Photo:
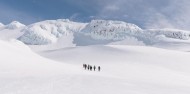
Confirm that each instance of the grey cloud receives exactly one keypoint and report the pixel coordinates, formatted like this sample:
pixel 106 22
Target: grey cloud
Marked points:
pixel 175 15
pixel 145 13
pixel 149 13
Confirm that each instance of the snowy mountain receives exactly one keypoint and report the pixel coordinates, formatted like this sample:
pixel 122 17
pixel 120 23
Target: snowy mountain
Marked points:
pixel 170 33
pixel 14 25
pixel 97 31
pixel 1 25
pixel 111 30
pixel 47 32
pixel 11 31
pixel 65 33
pixel 47 57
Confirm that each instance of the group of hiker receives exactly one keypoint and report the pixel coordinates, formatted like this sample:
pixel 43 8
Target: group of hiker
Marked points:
pixel 91 68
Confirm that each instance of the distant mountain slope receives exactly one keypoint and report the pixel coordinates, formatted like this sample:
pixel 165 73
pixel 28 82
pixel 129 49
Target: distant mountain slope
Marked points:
pixel 11 31
pixel 98 32
pixel 14 25
pixel 1 25
pixel 111 30
pixel 47 32
pixel 11 26
pixel 170 33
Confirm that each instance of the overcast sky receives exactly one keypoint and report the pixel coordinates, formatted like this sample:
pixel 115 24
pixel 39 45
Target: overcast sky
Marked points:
pixel 144 13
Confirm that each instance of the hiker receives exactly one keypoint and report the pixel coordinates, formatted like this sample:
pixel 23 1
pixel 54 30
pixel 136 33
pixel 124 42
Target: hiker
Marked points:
pixel 99 68
pixel 90 68
pixel 94 68
pixel 85 66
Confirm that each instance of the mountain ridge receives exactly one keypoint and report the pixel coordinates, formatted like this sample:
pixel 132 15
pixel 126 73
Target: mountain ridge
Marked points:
pixel 93 33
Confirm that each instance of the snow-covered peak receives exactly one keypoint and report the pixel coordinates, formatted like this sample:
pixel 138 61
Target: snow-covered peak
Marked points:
pixel 63 20
pixel 1 25
pixel 170 33
pixel 110 30
pixel 49 31
pixel 106 31
pixel 14 25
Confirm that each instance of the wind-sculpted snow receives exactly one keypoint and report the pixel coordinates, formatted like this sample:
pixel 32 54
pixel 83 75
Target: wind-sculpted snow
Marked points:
pixel 119 31
pixel 111 30
pixel 93 33
pixel 170 33
pixel 50 31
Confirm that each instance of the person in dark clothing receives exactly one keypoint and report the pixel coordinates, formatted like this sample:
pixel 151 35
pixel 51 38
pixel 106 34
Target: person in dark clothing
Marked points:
pixel 85 66
pixel 90 68
pixel 94 68
pixel 99 68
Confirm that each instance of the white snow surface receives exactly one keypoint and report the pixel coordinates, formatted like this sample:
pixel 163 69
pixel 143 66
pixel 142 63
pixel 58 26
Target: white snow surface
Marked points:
pixel 11 31
pixel 1 25
pixel 171 33
pixel 61 33
pixel 52 62
pixel 48 32
pixel 14 25
pixel 125 69
pixel 111 30
pixel 8 34
pixel 96 32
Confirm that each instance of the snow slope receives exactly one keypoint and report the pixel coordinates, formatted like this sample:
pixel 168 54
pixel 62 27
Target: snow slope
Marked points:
pixel 14 25
pixel 125 70
pixel 11 31
pixel 56 68
pixel 53 32
pixel 97 32
pixel 8 34
pixel 169 39
pixel 24 72
pixel 111 30
pixel 171 33
pixel 1 25
pixel 61 33
pixel 48 32
pixel 131 69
